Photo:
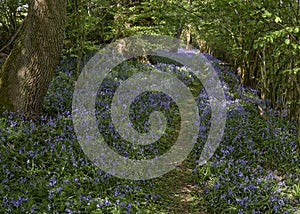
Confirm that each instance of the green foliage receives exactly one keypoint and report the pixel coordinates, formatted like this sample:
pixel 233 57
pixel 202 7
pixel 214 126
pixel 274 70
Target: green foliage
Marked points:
pixel 45 170
pixel 261 38
pixel 251 170
pixel 12 13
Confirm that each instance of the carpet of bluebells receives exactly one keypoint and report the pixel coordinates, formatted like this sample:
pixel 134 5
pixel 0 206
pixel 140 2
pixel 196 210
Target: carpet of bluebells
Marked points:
pixel 254 170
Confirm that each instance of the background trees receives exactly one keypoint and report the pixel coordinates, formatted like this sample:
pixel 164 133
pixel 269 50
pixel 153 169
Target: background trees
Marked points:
pixel 261 40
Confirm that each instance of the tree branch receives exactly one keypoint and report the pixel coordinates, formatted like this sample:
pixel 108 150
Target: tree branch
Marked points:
pixel 12 38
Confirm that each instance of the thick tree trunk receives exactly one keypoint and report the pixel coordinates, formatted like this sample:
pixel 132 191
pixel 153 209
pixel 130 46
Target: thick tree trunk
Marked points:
pixel 28 70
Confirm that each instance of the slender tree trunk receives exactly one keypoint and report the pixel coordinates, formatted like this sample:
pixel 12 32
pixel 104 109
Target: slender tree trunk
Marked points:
pixel 188 37
pixel 298 104
pixel 298 130
pixel 28 70
pixel 178 34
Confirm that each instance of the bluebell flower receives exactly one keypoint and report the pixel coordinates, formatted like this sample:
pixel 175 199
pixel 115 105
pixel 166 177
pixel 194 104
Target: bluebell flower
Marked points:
pixel 68 211
pixel 217 185
pixel 280 202
pixel 129 206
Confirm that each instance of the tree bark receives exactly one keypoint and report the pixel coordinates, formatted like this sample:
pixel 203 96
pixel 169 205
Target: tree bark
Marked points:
pixel 28 70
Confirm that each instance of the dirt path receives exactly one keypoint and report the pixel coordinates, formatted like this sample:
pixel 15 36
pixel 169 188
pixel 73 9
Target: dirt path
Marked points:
pixel 178 190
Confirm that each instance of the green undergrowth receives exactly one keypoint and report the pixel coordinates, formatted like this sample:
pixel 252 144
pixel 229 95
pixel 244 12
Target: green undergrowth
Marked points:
pixel 254 170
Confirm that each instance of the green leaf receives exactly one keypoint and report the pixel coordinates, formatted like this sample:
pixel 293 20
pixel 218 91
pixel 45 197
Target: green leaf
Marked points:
pixel 271 39
pixel 278 19
pixel 287 41
pixel 266 14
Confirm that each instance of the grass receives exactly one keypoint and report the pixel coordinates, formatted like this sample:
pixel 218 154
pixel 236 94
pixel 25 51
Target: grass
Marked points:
pixel 254 170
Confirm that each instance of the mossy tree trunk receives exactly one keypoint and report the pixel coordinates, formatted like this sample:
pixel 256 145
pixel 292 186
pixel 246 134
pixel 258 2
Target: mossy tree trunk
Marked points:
pixel 28 70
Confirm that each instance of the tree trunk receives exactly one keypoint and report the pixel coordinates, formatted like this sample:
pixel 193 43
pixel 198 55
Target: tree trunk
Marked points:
pixel 298 104
pixel 298 138
pixel 178 34
pixel 188 37
pixel 28 70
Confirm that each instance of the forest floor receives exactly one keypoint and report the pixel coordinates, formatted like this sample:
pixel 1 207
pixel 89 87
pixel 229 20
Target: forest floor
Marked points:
pixel 255 169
